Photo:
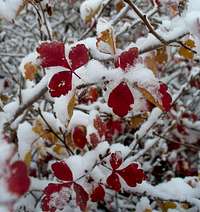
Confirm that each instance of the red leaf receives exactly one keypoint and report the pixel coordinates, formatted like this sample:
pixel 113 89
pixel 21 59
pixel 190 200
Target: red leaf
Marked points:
pixel 166 98
pixel 52 188
pixel 52 54
pixel 127 58
pixel 94 140
pixel 132 175
pixel 98 194
pixel 116 160
pixel 79 136
pixel 18 181
pixel 81 196
pixel 60 83
pixel 113 128
pixel 78 56
pixel 100 126
pixel 62 171
pixel 113 182
pixel 120 99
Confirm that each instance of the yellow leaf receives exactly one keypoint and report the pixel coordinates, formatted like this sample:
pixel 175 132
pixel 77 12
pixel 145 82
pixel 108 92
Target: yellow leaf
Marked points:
pixel 58 149
pixel 186 53
pixel 148 210
pixel 168 205
pixel 161 55
pixel 44 133
pixel 106 42
pixel 136 121
pixel 149 97
pixel 28 158
pixel 71 105
pixel 30 70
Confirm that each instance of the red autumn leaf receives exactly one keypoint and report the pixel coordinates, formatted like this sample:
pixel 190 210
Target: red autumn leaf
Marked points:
pixel 113 182
pixel 98 194
pixel 18 182
pixel 127 58
pixel 52 54
pixel 120 99
pixel 81 196
pixel 79 136
pixel 100 126
pixel 62 171
pixel 60 83
pixel 116 160
pixel 49 192
pixel 94 140
pixel 166 98
pixel 113 128
pixel 78 56
pixel 132 175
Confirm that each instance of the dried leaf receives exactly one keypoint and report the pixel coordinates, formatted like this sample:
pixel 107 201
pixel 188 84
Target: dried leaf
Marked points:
pixel 168 205
pixel 161 55
pixel 149 97
pixel 136 121
pixel 39 129
pixel 30 71
pixel 119 5
pixel 106 42
pixel 186 53
pixel 71 105
pixel 28 158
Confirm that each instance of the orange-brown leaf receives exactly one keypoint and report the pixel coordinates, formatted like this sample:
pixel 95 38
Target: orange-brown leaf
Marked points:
pixel 106 38
pixel 30 70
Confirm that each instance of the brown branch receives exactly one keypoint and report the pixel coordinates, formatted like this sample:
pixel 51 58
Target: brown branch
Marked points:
pixel 28 104
pixel 145 20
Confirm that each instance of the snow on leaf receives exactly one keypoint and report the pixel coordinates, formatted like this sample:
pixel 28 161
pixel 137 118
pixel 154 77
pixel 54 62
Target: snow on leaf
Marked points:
pixel 113 182
pixel 55 196
pixel 98 194
pixel 78 56
pixel 116 160
pixel 127 58
pixel 60 83
pixel 132 175
pixel 120 99
pixel 62 171
pixel 18 174
pixel 82 196
pixel 106 42
pixel 52 54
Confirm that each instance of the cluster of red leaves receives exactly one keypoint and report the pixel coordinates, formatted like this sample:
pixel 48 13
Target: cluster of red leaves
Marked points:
pixel 107 129
pixel 165 97
pixel 130 174
pixel 18 181
pixel 121 97
pixel 53 54
pixel 63 173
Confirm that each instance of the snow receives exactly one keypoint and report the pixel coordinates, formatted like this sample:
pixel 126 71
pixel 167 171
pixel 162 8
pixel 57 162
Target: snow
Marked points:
pixel 9 8
pixel 89 7
pixel 26 137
